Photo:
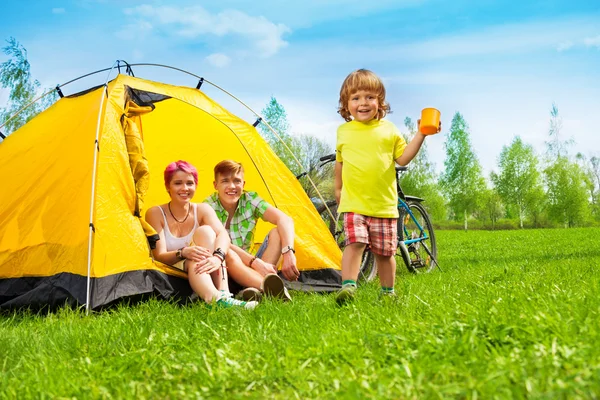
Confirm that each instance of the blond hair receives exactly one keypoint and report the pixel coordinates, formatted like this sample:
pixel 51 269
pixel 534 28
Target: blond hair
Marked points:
pixel 228 167
pixel 362 79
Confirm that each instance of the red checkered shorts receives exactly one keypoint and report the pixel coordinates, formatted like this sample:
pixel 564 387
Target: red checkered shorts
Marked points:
pixel 380 234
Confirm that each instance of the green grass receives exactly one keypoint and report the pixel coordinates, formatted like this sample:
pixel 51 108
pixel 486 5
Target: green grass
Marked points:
pixel 515 314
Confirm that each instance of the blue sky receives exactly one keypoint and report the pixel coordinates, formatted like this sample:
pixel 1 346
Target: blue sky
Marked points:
pixel 499 63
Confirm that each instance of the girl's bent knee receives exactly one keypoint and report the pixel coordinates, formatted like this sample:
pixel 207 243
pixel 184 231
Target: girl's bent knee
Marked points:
pixel 204 233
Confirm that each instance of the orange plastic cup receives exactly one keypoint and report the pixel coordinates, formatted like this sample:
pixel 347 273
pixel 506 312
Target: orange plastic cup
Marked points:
pixel 430 121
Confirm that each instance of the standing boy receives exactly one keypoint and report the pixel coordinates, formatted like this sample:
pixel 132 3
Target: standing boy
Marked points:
pixel 365 179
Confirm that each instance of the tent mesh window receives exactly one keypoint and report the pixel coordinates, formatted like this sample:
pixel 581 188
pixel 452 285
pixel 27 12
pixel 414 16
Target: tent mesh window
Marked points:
pixel 140 97
pixel 143 98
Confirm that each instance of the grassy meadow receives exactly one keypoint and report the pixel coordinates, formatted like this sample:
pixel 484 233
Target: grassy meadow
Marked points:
pixel 514 314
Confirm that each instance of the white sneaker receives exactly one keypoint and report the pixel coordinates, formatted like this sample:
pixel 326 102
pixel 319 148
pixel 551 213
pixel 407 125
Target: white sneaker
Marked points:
pixel 227 302
pixel 251 305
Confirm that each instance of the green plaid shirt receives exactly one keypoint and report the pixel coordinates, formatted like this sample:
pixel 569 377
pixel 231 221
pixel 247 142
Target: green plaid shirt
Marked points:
pixel 241 229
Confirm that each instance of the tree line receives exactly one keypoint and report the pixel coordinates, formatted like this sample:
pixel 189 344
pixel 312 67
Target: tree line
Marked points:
pixel 553 189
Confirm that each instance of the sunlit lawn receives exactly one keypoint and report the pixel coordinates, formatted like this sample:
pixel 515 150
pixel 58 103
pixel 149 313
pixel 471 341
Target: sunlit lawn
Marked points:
pixel 515 314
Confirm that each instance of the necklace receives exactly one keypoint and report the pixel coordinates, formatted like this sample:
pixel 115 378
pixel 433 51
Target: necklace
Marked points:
pixel 186 217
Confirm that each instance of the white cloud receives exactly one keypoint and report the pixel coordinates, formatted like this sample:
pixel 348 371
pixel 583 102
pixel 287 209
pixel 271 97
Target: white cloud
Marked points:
pixel 307 13
pixel 198 23
pixel 592 41
pixel 135 30
pixel 58 10
pixel 563 46
pixel 587 42
pixel 218 60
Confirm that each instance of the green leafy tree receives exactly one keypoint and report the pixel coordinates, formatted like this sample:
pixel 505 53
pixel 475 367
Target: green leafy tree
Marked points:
pixel 594 172
pixel 462 180
pixel 311 149
pixel 565 180
pixel 535 203
pixel 435 203
pixel 15 75
pixel 591 168
pixel 518 176
pixel 492 206
pixel 567 193
pixel 275 115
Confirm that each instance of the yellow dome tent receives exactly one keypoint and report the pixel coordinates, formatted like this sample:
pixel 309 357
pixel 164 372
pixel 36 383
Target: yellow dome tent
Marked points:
pixel 75 180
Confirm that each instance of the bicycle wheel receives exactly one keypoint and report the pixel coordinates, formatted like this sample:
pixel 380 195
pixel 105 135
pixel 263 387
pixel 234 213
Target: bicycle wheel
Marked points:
pixel 368 270
pixel 326 216
pixel 421 255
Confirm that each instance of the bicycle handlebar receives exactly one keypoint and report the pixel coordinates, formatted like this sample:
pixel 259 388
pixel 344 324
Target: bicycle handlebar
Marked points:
pixel 329 157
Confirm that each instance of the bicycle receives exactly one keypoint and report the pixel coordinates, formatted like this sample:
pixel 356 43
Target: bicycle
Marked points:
pixel 416 238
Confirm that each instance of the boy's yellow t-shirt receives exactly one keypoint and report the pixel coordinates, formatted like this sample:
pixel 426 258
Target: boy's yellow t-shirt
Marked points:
pixel 368 152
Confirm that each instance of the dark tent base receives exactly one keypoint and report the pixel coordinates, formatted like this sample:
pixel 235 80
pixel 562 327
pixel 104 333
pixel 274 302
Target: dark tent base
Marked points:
pixel 321 280
pixel 50 293
pixel 53 292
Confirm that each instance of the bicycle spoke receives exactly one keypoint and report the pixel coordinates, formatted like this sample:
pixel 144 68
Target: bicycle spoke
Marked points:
pixel 432 256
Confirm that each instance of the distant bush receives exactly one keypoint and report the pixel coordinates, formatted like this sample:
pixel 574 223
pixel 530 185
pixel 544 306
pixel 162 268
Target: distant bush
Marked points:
pixel 504 224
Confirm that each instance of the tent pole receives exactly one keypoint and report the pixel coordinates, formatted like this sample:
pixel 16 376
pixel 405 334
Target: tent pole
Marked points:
pixel 92 229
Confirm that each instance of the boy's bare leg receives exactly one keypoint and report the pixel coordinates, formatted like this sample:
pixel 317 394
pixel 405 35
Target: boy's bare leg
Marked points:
pixel 272 253
pixel 386 266
pixel 351 261
pixel 245 276
pixel 350 268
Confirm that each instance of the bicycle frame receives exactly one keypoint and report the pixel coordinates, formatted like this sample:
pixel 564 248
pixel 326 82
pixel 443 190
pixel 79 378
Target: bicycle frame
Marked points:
pixel 422 234
pixel 403 206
